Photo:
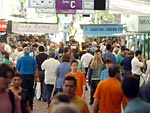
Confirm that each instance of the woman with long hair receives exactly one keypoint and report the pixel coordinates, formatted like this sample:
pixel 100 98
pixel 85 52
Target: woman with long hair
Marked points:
pixel 97 65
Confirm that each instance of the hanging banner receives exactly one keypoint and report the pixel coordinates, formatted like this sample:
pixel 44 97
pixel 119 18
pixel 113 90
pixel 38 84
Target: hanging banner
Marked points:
pixel 3 26
pixel 34 28
pixel 68 6
pixel 101 29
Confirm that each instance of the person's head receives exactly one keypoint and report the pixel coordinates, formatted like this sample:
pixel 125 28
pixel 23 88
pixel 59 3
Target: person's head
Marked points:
pixel 123 50
pixel 114 71
pixel 65 108
pixel 94 43
pixel 5 54
pixel 76 55
pixel 41 48
pixel 24 45
pixel 108 47
pixel 126 51
pixel 107 63
pixel 74 65
pixel 98 56
pixel 26 50
pixel 61 98
pixel 130 87
pixel 6 74
pixel 104 41
pixel 130 54
pixel 116 50
pixel 69 86
pixel 67 50
pixel 16 80
pixel 51 54
pixel 66 58
pixel 138 54
pixel 35 46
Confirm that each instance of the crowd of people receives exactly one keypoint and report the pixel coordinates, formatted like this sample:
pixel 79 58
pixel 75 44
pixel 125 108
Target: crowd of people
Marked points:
pixel 65 72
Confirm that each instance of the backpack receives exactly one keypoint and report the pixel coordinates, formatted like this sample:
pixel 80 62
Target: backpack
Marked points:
pixel 12 100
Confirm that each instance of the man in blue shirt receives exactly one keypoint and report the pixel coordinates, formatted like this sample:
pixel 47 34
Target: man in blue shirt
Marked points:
pixel 28 68
pixel 109 54
pixel 130 86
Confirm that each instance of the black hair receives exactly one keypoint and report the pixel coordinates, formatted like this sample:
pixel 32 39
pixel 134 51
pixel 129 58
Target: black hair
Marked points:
pixel 62 97
pixel 76 55
pixel 73 61
pixel 130 87
pixel 71 78
pixel 138 52
pixel 4 68
pixel 123 48
pixel 113 70
pixel 41 48
pixel 24 45
pixel 107 60
pixel 108 46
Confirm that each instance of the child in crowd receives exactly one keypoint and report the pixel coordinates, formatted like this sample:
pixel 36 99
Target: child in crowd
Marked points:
pixel 81 81
pixel 104 74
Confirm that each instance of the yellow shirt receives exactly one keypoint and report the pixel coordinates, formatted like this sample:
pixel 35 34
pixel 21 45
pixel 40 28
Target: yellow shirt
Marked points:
pixel 77 101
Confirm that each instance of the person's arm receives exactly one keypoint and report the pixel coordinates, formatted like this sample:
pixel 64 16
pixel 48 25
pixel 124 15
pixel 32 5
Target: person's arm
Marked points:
pixel 36 75
pixel 83 90
pixel 28 107
pixel 95 105
pixel 124 102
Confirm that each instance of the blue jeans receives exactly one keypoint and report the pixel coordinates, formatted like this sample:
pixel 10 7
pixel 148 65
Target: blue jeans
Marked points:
pixel 126 73
pixel 49 89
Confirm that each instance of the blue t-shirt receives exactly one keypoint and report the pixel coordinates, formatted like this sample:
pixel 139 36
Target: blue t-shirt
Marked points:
pixel 26 65
pixel 104 75
pixel 61 72
pixel 109 55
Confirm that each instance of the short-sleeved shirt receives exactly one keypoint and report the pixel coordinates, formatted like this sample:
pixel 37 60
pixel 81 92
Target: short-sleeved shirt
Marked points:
pixel 61 72
pixel 126 63
pixel 26 65
pixel 77 101
pixel 110 94
pixel 119 58
pixel 109 55
pixel 80 82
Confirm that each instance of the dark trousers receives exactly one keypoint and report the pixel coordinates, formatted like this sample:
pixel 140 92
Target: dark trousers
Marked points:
pixel 43 92
pixel 49 89
pixel 93 87
pixel 27 83
pixel 137 77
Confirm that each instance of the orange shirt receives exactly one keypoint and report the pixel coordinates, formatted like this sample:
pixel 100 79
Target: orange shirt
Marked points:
pixel 110 95
pixel 80 81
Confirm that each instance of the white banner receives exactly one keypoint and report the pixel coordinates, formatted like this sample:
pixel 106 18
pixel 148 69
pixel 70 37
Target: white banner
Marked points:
pixel 42 3
pixel 34 28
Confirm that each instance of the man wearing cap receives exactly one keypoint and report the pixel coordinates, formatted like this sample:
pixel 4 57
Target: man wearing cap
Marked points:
pixel 50 66
pixel 28 69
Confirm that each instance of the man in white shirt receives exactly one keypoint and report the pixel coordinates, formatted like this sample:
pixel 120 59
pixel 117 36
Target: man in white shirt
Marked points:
pixel 50 66
pixel 86 59
pixel 137 65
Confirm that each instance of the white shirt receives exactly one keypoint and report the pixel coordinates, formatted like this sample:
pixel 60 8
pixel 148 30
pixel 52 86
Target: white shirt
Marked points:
pixel 86 59
pixel 50 66
pixel 136 66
